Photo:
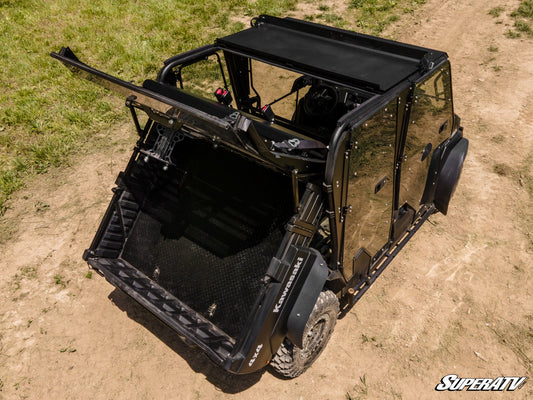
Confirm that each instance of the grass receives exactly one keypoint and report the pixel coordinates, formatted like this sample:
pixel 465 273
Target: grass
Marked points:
pixel 525 175
pixel 372 339
pixel 41 206
pixel 361 390
pixel 523 26
pixel 47 115
pixel 366 16
pixel 496 11
pixel 67 350
pixel 59 280
pixel 373 16
pixel 518 338
pixel 24 273
pixel 522 174
pixel 332 19
pixel 513 34
pixel 525 10
pixel 502 169
pixel 23 380
pixel 523 17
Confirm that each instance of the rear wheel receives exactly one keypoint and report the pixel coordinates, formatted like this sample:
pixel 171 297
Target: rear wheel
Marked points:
pixel 291 361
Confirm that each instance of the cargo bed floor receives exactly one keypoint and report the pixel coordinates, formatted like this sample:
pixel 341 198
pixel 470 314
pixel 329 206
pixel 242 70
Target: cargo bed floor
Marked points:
pixel 222 289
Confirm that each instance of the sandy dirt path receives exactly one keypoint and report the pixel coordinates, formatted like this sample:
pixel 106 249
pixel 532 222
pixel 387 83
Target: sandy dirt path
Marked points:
pixel 457 300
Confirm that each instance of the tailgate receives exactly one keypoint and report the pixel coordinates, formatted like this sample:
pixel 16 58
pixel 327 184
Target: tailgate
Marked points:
pixel 185 321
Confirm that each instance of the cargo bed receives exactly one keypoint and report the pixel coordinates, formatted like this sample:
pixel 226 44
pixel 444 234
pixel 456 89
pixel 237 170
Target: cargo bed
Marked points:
pixel 200 234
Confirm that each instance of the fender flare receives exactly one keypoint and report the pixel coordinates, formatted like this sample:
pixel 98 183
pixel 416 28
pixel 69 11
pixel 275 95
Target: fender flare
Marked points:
pixel 449 175
pixel 303 306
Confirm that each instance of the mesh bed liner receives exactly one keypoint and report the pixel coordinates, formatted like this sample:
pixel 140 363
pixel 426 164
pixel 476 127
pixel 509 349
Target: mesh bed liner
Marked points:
pixel 206 236
pixel 222 289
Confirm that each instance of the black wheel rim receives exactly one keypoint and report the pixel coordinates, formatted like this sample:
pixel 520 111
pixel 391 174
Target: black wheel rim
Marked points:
pixel 314 337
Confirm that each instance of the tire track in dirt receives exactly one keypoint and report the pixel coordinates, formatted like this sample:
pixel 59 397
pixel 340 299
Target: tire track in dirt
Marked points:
pixel 484 244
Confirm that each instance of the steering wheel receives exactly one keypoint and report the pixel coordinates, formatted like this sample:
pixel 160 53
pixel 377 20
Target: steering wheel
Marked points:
pixel 320 100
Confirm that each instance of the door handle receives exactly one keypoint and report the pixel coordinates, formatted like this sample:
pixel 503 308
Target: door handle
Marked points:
pixel 426 151
pixel 380 185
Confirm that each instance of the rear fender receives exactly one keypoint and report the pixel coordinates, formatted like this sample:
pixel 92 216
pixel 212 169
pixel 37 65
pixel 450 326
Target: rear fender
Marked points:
pixel 444 171
pixel 305 302
pixel 296 281
pixel 449 175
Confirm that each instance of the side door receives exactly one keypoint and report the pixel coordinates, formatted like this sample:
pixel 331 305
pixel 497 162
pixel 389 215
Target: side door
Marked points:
pixel 430 124
pixel 370 191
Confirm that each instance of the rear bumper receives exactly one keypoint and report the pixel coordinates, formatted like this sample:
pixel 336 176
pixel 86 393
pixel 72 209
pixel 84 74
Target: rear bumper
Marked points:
pixel 190 325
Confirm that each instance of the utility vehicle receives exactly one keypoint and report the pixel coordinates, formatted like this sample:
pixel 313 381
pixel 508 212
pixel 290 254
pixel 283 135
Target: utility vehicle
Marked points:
pixel 278 172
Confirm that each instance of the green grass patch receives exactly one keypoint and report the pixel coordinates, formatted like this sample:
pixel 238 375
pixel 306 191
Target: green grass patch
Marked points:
pixel 523 26
pixel 24 273
pixel 525 176
pixel 47 114
pixel 373 16
pixel 523 17
pixel 331 19
pixel 60 280
pixel 502 169
pixel 513 34
pixel 525 10
pixel 496 11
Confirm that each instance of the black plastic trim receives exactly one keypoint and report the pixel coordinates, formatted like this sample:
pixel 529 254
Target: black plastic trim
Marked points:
pixel 303 306
pixel 449 175
pixel 185 321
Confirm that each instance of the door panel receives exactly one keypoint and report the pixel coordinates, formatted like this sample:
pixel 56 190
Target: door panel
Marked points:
pixel 430 124
pixel 370 187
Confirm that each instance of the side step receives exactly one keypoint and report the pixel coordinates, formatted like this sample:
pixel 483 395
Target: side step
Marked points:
pixel 193 327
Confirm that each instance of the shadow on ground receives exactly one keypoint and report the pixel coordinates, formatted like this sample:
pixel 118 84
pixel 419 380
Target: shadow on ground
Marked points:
pixel 197 360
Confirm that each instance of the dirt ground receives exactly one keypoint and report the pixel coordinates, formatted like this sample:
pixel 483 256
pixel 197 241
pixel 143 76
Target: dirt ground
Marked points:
pixel 456 301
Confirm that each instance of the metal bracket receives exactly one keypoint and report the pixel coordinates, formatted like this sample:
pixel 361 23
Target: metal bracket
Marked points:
pixel 295 190
pixel 344 210
pixel 164 145
pixel 167 119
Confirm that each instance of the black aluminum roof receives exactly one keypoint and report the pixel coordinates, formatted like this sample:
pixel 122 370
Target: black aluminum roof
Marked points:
pixel 355 59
